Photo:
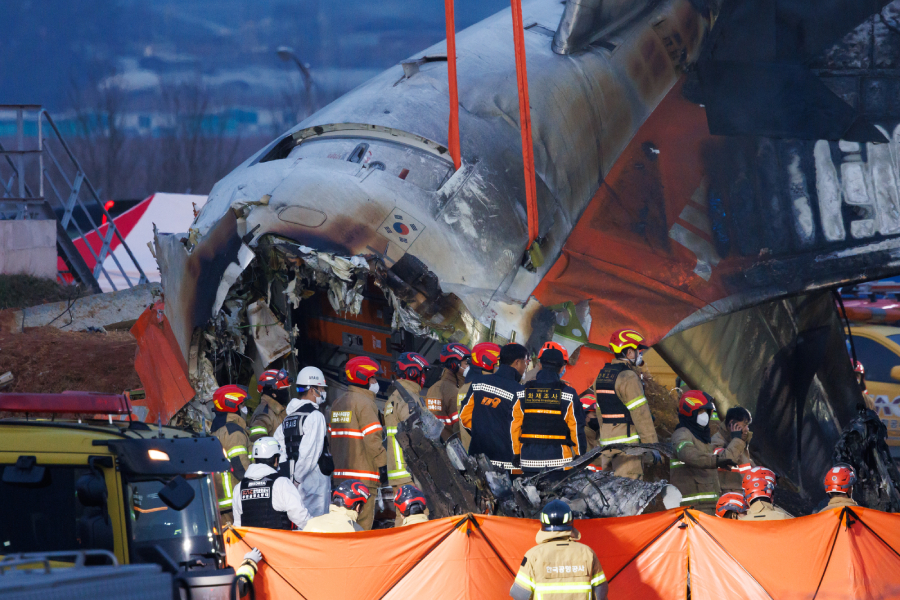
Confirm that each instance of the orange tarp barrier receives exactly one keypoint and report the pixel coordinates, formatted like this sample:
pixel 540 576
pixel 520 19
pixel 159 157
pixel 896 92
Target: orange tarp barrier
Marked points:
pixel 836 554
pixel 160 366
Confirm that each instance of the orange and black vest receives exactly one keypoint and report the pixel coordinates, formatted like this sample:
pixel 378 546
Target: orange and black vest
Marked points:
pixel 612 409
pixel 544 415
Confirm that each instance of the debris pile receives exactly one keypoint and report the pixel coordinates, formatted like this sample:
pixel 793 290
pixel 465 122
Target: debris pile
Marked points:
pixel 455 483
pixel 863 446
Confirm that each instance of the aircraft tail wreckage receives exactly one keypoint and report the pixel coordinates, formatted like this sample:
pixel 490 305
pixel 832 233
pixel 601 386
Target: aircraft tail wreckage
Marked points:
pixel 663 200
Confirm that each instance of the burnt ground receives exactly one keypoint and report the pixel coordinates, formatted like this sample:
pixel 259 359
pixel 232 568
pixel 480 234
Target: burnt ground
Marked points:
pixel 50 360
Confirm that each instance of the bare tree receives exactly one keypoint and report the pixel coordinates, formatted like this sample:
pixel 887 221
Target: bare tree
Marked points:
pixel 198 150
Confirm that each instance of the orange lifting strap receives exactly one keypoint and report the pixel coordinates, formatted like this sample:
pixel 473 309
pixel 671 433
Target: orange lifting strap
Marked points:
pixel 525 121
pixel 453 133
pixel 524 108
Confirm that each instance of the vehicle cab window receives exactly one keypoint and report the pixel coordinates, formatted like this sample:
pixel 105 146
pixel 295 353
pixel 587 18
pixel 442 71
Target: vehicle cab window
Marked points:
pixel 877 359
pixel 48 516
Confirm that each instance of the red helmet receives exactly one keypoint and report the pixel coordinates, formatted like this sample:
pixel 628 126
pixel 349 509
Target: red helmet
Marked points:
pixel 731 501
pixel 350 493
pixel 840 478
pixel 623 339
pixel 858 368
pixel 588 400
pixel 758 482
pixel 454 351
pixel 486 355
pixel 408 496
pixel 411 365
pixel 694 401
pixel 273 379
pixel 229 398
pixel 555 346
pixel 360 369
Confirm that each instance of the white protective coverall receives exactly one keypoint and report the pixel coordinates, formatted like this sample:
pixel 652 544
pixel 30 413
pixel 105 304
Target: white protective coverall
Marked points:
pixel 315 488
pixel 285 497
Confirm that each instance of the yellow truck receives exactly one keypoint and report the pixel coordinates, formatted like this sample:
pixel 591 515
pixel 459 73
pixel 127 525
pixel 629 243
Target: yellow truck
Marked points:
pixel 92 483
pixel 878 349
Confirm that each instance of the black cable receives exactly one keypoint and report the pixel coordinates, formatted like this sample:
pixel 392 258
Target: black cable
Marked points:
pixel 840 301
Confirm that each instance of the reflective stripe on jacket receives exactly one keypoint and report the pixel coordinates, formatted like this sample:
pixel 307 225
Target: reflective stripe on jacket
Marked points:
pixel 230 430
pixel 694 470
pixel 560 568
pixel 396 410
pixel 356 436
pixel 441 401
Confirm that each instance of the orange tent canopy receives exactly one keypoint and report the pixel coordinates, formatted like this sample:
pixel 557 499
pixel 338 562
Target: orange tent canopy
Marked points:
pixel 837 554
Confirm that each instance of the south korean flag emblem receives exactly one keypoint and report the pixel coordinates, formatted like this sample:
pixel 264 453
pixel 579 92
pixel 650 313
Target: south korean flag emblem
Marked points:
pixel 400 228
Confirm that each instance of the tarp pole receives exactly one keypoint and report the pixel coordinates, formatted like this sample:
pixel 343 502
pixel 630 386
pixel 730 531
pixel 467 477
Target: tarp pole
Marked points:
pixel 453 130
pixel 525 121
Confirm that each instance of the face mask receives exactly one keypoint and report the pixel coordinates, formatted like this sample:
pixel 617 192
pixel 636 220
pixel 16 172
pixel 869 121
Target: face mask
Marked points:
pixel 703 419
pixel 639 361
pixel 465 371
pixel 321 398
pixel 373 386
pixel 243 410
pixel 563 372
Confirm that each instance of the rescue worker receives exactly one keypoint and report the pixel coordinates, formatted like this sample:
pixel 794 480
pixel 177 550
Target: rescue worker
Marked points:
pixel 487 411
pixel 860 371
pixel 304 444
pixel 485 357
pixel 356 434
pixel 274 387
pixel 759 489
pixel 693 471
pixel 731 479
pixel 230 429
pixel 544 426
pixel 588 400
pixel 731 505
pixel 624 414
pixel 263 498
pixel 559 567
pixel 410 369
pixel 441 397
pixel 409 501
pixel 839 481
pixel 347 500
pixel 247 571
pixel 532 373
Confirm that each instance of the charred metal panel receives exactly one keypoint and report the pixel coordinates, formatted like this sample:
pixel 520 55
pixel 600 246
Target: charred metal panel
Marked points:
pixel 786 361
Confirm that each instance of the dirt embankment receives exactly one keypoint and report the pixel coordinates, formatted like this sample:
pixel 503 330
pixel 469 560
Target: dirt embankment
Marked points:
pixel 49 360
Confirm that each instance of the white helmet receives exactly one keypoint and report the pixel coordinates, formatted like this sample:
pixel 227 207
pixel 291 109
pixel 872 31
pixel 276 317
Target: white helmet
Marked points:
pixel 311 376
pixel 265 448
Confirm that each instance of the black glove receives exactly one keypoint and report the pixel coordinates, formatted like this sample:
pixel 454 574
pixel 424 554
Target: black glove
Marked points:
pixel 517 461
pixel 382 472
pixel 725 463
pixel 736 435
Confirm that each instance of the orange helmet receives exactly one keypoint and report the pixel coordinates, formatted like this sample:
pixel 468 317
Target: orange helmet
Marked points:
pixel 731 501
pixel 694 401
pixel 360 369
pixel 624 339
pixel 555 346
pixel 840 478
pixel 486 355
pixel 758 482
pixel 229 398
